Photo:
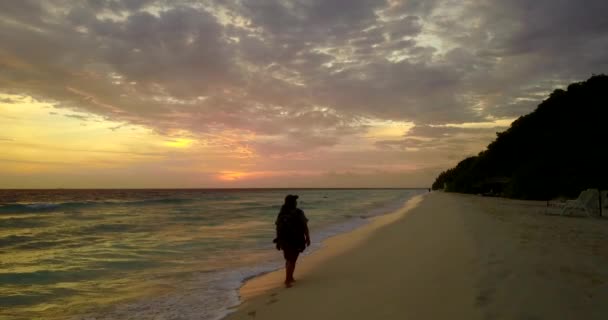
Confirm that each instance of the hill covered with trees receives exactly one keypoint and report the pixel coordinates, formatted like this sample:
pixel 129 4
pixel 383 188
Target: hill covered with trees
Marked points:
pixel 557 150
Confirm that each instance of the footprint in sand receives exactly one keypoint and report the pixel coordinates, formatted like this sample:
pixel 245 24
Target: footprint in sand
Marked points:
pixel 482 300
pixel 484 297
pixel 495 261
pixel 271 301
pixel 252 314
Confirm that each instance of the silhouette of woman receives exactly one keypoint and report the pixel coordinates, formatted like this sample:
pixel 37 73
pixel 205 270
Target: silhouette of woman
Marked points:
pixel 292 235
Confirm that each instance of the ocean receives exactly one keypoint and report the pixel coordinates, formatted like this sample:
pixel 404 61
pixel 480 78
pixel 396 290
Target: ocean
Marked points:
pixel 155 254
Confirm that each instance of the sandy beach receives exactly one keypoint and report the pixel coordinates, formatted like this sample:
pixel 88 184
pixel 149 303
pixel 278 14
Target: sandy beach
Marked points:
pixel 447 256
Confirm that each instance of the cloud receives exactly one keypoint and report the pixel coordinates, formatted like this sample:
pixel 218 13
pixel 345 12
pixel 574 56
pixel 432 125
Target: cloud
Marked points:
pixel 301 75
pixel 442 144
pixel 8 100
pixel 78 117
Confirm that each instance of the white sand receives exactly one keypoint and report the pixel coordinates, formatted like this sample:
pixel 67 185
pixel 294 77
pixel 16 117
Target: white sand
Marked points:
pixel 451 257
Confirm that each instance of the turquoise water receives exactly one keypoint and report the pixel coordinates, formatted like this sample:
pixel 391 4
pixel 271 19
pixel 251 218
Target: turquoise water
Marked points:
pixel 166 254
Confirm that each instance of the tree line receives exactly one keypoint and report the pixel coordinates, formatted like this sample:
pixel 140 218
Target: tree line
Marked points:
pixel 557 150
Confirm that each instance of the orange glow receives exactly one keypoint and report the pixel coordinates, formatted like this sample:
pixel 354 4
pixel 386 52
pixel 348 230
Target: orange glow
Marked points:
pixel 180 143
pixel 232 175
pixel 241 175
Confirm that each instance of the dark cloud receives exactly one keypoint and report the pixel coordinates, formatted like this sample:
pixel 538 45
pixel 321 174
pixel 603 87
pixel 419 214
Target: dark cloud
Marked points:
pixel 442 144
pixel 426 131
pixel 8 100
pixel 516 45
pixel 78 117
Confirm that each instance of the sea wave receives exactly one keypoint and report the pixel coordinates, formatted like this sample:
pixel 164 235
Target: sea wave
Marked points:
pixel 147 248
pixel 60 206
pixel 214 295
pixel 209 296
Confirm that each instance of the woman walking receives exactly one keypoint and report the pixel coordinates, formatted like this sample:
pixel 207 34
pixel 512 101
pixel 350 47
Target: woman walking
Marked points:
pixel 292 235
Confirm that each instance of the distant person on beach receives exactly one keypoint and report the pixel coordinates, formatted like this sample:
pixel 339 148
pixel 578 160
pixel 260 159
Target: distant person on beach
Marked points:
pixel 292 235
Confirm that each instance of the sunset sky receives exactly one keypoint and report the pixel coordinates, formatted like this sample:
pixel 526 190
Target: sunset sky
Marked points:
pixel 275 93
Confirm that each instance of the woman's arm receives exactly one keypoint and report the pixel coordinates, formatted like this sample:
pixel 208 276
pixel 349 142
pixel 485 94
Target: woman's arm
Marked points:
pixel 306 235
pixel 305 223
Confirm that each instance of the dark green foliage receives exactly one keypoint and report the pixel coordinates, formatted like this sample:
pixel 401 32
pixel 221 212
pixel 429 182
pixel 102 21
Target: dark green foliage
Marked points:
pixel 559 149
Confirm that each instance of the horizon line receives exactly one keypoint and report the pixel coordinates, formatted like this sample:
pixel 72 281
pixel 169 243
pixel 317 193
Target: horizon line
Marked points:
pixel 223 188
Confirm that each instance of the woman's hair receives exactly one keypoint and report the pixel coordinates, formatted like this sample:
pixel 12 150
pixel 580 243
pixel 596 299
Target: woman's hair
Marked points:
pixel 290 203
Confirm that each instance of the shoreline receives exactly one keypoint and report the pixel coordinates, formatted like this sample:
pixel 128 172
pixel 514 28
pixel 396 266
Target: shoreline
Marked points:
pixel 451 256
pixel 190 299
pixel 248 287
pixel 271 281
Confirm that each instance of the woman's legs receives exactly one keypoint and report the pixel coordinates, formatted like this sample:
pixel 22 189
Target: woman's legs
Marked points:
pixel 290 267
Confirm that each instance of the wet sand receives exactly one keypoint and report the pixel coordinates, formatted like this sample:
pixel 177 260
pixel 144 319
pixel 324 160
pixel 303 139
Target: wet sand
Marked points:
pixel 450 256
